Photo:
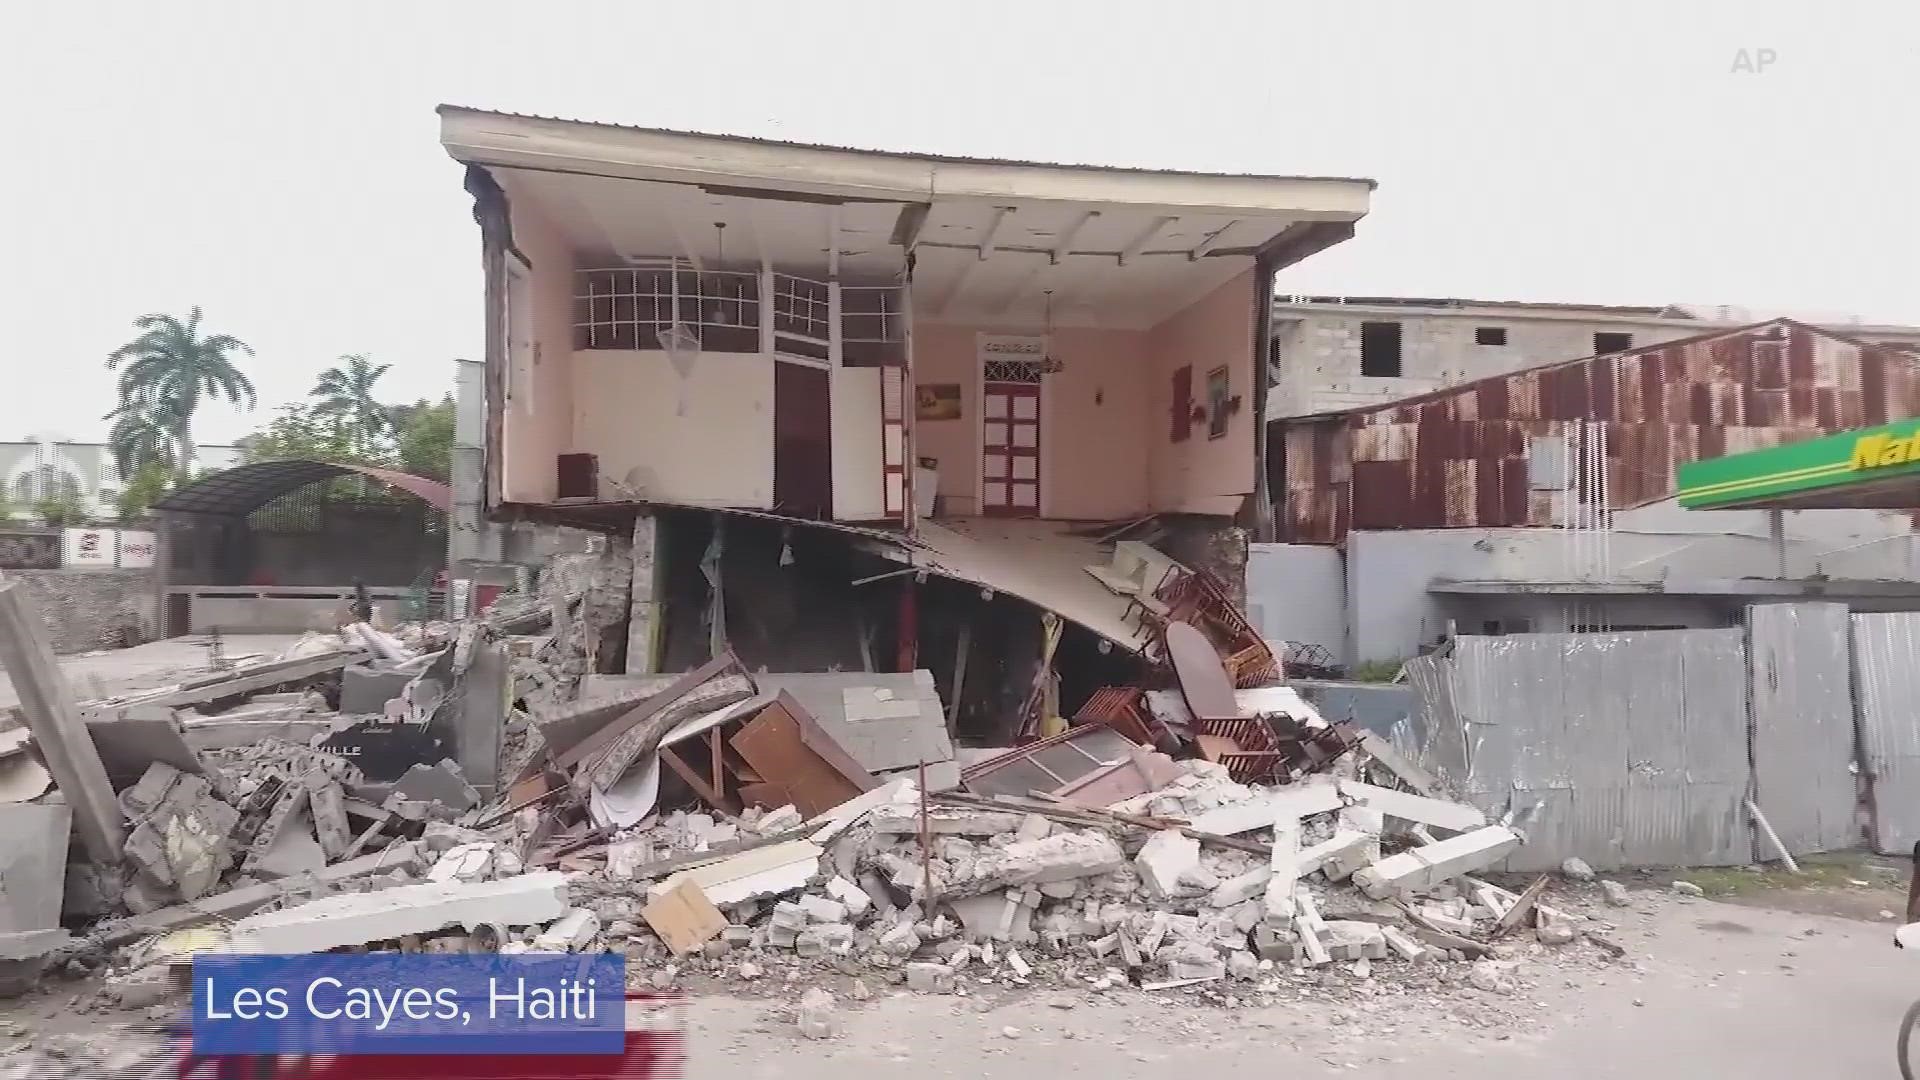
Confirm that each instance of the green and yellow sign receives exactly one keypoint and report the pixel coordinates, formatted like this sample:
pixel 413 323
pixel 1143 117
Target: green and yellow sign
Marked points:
pixel 1833 462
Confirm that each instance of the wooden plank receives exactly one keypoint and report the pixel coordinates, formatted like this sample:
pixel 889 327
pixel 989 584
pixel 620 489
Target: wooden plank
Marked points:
pixel 683 917
pixel 693 778
pixel 607 735
pixel 1521 908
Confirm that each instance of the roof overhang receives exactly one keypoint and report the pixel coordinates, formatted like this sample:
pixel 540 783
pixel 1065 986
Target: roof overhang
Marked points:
pixel 1874 468
pixel 1114 246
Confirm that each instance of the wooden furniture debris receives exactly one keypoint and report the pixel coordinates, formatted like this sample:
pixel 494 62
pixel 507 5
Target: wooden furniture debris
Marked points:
pixel 794 761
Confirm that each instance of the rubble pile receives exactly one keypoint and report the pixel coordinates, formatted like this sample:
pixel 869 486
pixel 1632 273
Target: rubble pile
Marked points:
pixel 477 787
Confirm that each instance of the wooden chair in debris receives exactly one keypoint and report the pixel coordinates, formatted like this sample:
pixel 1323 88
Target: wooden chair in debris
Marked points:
pixel 1200 599
pixel 1124 709
pixel 1255 749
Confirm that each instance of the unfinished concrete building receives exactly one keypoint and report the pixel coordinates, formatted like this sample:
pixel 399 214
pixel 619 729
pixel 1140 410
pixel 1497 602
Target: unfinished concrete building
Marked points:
pixel 1348 352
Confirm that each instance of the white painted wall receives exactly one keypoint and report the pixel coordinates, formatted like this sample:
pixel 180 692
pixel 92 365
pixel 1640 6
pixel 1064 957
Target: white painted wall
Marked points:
pixel 858 471
pixel 719 453
pixel 1297 592
pixel 1392 614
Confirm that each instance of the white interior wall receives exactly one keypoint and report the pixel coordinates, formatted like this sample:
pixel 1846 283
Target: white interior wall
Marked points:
pixel 719 453
pixel 857 463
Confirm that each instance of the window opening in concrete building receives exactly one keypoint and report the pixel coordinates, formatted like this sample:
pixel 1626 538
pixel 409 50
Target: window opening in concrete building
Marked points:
pixel 1611 341
pixel 1489 335
pixel 1380 350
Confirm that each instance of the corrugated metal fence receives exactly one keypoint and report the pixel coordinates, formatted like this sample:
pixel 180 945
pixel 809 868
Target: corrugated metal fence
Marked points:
pixel 1642 748
pixel 1624 749
pixel 1886 663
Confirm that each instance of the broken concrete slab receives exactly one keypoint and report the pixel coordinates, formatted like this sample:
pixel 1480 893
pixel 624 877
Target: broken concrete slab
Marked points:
pixel 750 875
pixel 358 918
pixel 65 744
pixel 1313 795
pixel 405 856
pixel 1283 870
pixel 1452 816
pixel 18 945
pixel 33 863
pixel 138 737
pixel 943 821
pixel 327 802
pixel 851 896
pixel 1164 858
pixel 295 850
pixel 1238 890
pixel 1339 855
pixel 572 932
pixel 366 689
pixel 1035 862
pixel 441 783
pixel 1419 869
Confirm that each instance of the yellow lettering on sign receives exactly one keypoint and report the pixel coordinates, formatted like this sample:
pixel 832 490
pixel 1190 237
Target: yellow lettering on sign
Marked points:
pixel 1866 451
pixel 1881 451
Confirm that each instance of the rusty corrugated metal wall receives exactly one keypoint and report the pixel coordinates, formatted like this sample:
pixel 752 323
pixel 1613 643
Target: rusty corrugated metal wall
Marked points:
pixel 1459 457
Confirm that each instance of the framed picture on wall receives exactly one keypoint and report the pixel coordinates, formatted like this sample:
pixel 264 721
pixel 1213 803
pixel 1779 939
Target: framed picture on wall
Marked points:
pixel 1219 403
pixel 937 401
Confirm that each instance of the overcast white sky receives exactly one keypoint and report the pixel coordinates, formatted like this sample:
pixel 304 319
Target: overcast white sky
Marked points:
pixel 278 165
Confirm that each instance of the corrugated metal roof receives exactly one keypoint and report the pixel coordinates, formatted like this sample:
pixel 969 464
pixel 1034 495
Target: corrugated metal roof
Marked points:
pixel 445 109
pixel 1624 422
pixel 246 488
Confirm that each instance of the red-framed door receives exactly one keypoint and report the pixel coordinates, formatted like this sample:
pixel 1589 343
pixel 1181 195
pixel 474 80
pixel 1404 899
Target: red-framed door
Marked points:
pixel 1010 449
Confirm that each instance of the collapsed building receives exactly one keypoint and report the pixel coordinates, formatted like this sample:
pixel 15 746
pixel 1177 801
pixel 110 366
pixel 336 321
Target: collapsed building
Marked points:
pixel 961 689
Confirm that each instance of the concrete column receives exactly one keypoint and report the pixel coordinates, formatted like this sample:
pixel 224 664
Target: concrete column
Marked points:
pixel 645 619
pixel 56 725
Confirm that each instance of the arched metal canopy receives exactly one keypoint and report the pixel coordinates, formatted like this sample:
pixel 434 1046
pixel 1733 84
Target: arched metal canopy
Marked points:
pixel 245 488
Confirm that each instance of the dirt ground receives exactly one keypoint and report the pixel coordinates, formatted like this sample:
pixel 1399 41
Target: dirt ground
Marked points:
pixel 1764 980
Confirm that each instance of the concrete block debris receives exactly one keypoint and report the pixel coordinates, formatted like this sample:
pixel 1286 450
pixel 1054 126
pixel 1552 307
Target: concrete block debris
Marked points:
pixel 558 808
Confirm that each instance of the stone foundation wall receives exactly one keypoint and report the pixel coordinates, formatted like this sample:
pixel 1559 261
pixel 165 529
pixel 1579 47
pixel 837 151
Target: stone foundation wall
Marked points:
pixel 93 609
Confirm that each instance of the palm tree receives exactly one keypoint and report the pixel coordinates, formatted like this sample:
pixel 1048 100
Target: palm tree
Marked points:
pixel 142 436
pixel 170 366
pixel 345 394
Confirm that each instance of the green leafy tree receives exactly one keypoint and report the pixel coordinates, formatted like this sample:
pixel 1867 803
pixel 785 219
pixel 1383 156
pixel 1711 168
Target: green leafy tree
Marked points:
pixel 60 510
pixel 344 395
pixel 144 488
pixel 170 367
pixel 424 438
pixel 297 432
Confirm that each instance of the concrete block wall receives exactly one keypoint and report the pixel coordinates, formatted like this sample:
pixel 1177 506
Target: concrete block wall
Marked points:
pixel 88 609
pixel 1320 354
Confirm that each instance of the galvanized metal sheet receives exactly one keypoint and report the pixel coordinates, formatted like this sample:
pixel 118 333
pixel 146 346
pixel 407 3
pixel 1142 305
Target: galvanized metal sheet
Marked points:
pixel 1886 666
pixel 1803 729
pixel 1623 749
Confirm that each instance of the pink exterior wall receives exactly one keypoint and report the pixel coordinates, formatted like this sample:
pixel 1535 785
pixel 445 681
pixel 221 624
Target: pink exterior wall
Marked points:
pixel 1202 475
pixel 536 431
pixel 1093 458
